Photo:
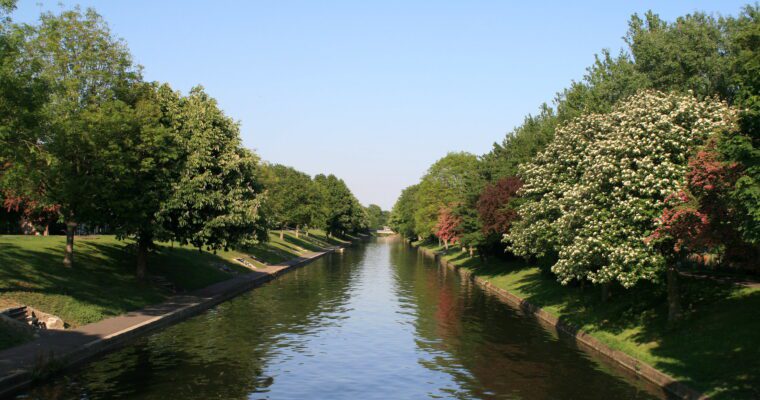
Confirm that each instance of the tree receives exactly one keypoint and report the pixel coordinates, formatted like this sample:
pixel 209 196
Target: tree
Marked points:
pixel 376 217
pixel 448 228
pixel 701 217
pixel 496 209
pixel 402 215
pixel 519 146
pixel 446 182
pixel 594 193
pixel 216 201
pixel 290 198
pixel 339 212
pixel 82 67
pixel 140 160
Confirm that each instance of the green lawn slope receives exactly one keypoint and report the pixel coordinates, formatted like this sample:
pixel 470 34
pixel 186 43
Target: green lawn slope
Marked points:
pixel 102 284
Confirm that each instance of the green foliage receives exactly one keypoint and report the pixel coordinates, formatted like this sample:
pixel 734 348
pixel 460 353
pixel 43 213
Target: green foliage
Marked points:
pixel 376 217
pixel 216 202
pixel 291 197
pixel 401 219
pixel 609 80
pixel 83 69
pixel 447 182
pixel 520 145
pixel 686 55
pixel 339 212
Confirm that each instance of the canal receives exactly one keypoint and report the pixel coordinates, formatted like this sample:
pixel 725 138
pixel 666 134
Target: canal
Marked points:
pixel 380 321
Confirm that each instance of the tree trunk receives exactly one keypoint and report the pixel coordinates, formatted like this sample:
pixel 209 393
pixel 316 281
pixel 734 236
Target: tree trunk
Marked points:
pixel 446 243
pixel 439 242
pixel 46 232
pixel 605 292
pixel 282 233
pixel 68 258
pixel 674 300
pixel 298 228
pixel 142 257
pixel 472 250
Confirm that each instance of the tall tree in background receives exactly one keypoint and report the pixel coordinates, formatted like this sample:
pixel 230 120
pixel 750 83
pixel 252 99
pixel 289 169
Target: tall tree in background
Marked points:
pixel 376 217
pixel 446 182
pixel 401 218
pixel 519 146
pixel 290 197
pixel 339 212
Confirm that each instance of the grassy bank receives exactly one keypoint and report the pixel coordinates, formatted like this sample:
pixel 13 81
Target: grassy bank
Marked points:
pixel 102 283
pixel 715 349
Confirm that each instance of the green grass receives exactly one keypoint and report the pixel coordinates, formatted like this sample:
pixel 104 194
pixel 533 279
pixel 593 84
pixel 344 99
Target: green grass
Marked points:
pixel 277 250
pixel 102 283
pixel 716 349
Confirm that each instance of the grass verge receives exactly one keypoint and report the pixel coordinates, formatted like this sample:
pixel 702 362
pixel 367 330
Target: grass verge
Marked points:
pixel 102 283
pixel 715 349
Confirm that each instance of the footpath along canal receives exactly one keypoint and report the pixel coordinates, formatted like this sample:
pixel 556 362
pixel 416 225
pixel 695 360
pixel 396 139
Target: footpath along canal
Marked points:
pixel 380 320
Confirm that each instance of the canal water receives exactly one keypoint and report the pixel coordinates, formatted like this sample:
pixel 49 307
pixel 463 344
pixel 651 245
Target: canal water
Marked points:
pixel 380 321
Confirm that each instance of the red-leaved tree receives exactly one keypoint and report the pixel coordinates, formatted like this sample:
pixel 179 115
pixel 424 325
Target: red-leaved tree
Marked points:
pixel 494 210
pixel 700 217
pixel 32 211
pixel 449 226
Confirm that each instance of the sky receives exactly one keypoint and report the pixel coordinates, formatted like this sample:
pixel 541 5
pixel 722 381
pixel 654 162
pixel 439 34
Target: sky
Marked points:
pixel 371 91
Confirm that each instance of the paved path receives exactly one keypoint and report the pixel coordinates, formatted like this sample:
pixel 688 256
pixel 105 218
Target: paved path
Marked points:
pixel 65 348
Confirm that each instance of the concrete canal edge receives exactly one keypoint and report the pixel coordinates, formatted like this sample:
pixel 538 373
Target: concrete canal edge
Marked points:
pixel 669 385
pixel 57 351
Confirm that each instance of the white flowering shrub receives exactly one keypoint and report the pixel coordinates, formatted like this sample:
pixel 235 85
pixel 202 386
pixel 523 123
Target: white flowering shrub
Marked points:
pixel 593 195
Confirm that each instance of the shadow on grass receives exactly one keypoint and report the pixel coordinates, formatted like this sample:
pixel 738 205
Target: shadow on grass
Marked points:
pixel 102 283
pixel 302 243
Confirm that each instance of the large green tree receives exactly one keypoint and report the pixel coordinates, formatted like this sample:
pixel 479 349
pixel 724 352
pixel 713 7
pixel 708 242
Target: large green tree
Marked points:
pixel 290 198
pixel 376 217
pixel 83 68
pixel 139 166
pixel 216 200
pixel 339 212
pixel 402 215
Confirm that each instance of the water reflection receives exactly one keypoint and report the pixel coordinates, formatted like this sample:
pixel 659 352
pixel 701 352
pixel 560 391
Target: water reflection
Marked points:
pixel 378 321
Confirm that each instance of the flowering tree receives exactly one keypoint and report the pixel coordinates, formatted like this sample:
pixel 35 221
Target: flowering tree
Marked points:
pixel 593 195
pixel 448 227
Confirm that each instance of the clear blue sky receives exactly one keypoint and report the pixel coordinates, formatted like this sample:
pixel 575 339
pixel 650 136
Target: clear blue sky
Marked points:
pixel 372 91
